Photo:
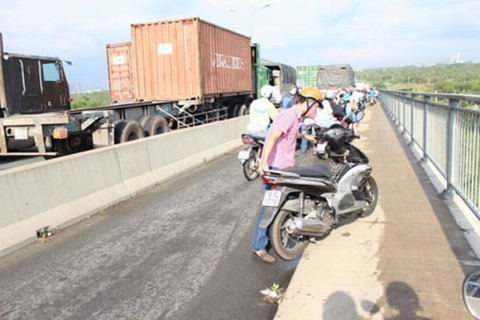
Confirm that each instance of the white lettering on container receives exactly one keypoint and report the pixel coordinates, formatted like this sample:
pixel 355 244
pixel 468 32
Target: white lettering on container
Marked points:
pixel 220 60
pixel 116 60
pixel 164 48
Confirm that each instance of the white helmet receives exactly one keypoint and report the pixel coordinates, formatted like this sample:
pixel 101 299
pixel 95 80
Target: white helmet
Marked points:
pixel 266 91
pixel 330 94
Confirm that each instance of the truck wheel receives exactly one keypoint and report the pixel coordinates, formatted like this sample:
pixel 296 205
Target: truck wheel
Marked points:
pixel 156 125
pixel 128 130
pixel 73 143
pixel 142 122
pixel 242 110
pixel 231 111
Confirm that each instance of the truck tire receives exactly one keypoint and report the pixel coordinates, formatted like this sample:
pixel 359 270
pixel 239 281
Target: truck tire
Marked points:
pixel 154 125
pixel 142 122
pixel 242 110
pixel 128 130
pixel 232 109
pixel 73 143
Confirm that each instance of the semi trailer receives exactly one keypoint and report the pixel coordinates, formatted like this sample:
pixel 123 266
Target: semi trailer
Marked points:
pixel 172 74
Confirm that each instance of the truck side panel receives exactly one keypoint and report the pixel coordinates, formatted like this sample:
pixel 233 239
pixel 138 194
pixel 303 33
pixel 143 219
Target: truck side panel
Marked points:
pixel 225 60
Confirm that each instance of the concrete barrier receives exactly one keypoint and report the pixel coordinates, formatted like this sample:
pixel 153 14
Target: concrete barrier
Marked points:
pixel 60 192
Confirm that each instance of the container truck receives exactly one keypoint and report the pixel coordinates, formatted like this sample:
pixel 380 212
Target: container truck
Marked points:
pixel 172 74
pixel 156 65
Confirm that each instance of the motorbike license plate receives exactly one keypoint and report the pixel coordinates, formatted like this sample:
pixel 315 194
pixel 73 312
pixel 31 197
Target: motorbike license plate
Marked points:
pixel 321 147
pixel 271 198
pixel 243 155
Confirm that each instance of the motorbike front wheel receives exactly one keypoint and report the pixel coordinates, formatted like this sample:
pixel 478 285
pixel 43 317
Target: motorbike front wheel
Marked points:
pixel 250 166
pixel 322 156
pixel 287 246
pixel 370 191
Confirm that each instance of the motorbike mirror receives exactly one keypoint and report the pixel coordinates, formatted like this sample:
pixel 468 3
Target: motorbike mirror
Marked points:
pixel 471 293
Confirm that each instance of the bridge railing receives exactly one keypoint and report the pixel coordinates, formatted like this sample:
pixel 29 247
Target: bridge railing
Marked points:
pixel 446 128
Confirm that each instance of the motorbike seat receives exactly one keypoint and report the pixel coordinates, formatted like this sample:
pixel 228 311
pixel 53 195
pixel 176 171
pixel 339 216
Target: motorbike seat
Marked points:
pixel 255 138
pixel 318 171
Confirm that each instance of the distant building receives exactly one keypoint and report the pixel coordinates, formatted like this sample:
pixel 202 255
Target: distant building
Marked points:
pixel 455 58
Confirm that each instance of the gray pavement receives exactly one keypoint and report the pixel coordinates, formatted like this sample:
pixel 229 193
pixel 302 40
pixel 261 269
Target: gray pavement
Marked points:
pixel 406 261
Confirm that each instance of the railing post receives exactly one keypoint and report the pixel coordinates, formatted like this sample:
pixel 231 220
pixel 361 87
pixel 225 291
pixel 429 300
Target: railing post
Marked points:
pixel 404 116
pixel 412 119
pixel 393 108
pixel 426 101
pixel 453 105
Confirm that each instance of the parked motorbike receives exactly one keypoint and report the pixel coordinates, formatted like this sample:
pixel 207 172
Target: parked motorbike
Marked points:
pixel 249 156
pixel 372 100
pixel 352 118
pixel 333 134
pixel 305 202
pixel 471 293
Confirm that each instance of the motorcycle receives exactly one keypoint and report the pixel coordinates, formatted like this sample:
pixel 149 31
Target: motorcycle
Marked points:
pixel 372 100
pixel 305 202
pixel 249 156
pixel 323 135
pixel 471 293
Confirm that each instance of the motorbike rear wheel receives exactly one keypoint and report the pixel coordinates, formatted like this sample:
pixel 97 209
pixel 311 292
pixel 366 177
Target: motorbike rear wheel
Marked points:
pixel 287 246
pixel 250 166
pixel 371 196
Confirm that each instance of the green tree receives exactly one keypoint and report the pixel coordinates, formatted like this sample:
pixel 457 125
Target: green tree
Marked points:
pixel 454 78
pixel 90 100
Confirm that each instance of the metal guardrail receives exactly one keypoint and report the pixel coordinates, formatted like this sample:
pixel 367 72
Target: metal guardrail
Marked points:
pixel 446 127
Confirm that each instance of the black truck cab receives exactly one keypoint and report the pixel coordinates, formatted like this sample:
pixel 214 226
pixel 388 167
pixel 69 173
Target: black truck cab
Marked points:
pixel 32 84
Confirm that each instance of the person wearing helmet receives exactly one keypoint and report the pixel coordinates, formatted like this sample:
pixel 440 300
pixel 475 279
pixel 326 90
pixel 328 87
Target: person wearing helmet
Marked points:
pixel 292 93
pixel 279 152
pixel 261 113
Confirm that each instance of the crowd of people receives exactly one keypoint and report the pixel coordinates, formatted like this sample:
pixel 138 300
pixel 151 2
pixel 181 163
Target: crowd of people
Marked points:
pixel 302 109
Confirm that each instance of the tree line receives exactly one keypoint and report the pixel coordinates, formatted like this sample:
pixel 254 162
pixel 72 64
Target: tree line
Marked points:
pixel 460 78
pixel 88 100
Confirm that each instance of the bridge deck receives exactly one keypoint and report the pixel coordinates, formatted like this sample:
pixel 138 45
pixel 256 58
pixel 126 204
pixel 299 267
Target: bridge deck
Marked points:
pixel 406 261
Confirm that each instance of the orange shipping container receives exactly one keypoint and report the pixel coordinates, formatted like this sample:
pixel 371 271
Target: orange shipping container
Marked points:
pixel 120 72
pixel 189 59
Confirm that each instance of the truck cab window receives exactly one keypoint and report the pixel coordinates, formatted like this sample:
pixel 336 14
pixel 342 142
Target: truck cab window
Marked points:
pixel 51 71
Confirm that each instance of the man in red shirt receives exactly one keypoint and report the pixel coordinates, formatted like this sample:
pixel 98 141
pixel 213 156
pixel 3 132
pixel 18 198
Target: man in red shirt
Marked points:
pixel 279 151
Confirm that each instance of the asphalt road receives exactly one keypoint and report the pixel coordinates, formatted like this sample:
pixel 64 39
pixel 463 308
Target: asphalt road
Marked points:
pixel 181 250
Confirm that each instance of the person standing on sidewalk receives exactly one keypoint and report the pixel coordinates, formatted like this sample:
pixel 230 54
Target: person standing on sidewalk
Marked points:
pixel 279 152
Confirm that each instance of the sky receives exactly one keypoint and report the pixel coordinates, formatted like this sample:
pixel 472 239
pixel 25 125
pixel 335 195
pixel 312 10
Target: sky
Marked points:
pixel 365 34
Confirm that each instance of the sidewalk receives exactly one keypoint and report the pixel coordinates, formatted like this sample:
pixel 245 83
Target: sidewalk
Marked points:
pixel 406 261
